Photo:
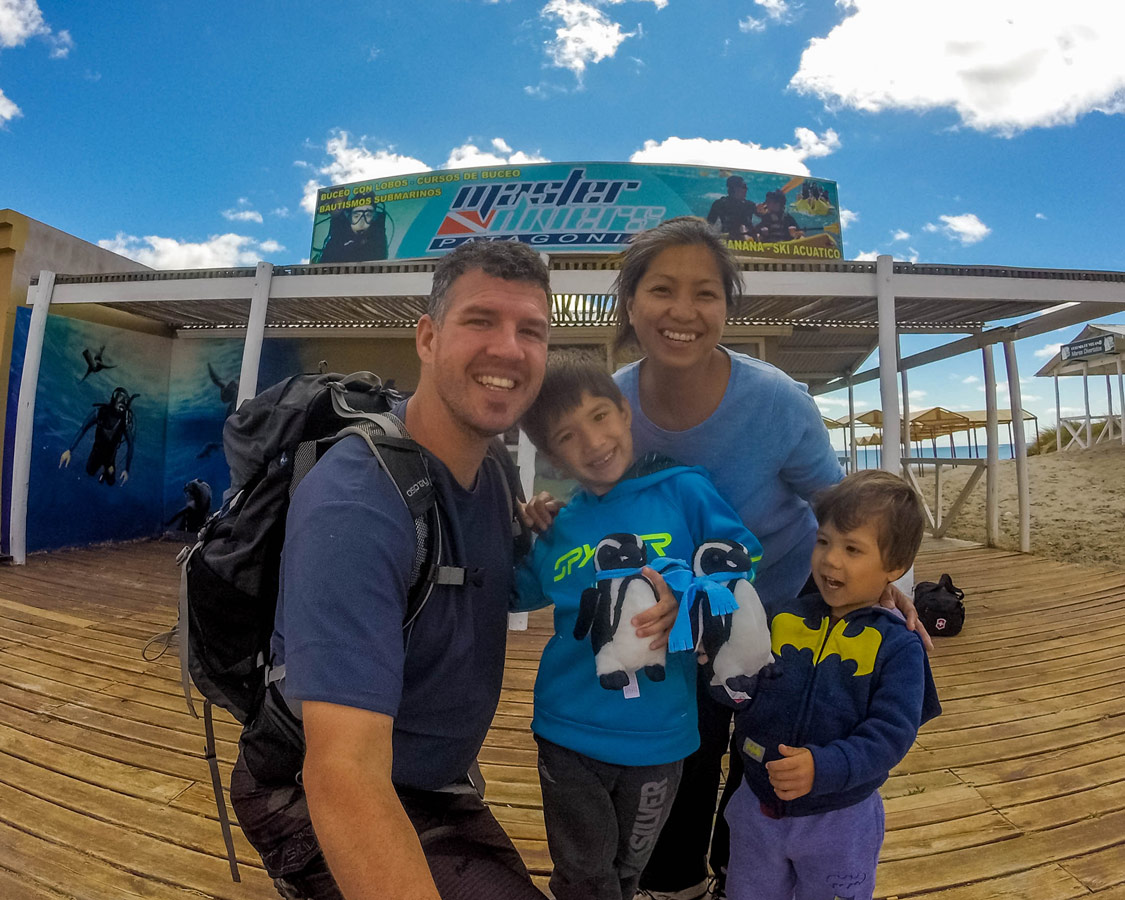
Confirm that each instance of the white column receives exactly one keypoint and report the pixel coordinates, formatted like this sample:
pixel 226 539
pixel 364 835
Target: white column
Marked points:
pixel 525 462
pixel 1019 449
pixel 992 450
pixel 907 449
pixel 25 417
pixel 1086 396
pixel 888 362
pixel 1058 416
pixel 255 331
pixel 853 452
pixel 1109 407
pixel 1121 397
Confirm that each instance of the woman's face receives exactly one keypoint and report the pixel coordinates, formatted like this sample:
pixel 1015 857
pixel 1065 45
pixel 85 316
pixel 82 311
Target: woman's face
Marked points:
pixel 679 307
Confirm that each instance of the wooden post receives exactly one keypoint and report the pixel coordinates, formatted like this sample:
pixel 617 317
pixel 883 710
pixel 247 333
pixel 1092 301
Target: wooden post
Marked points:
pixel 1019 449
pixel 853 454
pixel 255 333
pixel 1058 416
pixel 992 449
pixel 888 362
pixel 25 417
pixel 1086 396
pixel 1121 397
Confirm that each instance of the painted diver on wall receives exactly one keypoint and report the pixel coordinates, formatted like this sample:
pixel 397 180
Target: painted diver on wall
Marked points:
pixel 228 390
pixel 197 506
pixel 94 362
pixel 113 424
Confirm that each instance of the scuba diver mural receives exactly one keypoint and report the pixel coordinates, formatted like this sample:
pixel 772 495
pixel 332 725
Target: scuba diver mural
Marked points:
pixel 113 425
pixel 228 390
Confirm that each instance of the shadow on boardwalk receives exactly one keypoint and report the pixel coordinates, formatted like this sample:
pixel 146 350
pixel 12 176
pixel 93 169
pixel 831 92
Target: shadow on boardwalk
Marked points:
pixel 1018 790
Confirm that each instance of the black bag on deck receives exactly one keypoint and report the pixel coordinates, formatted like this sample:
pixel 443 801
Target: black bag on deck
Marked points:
pixel 939 606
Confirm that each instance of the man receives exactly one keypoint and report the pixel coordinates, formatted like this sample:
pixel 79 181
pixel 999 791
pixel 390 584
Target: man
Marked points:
pixel 393 719
pixel 734 213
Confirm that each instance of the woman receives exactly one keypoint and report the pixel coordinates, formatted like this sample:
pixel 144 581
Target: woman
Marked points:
pixel 762 438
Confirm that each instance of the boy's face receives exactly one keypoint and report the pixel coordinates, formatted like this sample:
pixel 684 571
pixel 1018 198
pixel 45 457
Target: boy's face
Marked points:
pixel 848 567
pixel 592 443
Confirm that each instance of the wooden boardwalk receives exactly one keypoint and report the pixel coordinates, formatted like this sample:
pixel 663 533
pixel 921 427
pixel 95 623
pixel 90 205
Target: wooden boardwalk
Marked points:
pixel 1017 791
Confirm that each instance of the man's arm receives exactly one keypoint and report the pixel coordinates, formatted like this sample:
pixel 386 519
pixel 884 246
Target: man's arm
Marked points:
pixel 367 838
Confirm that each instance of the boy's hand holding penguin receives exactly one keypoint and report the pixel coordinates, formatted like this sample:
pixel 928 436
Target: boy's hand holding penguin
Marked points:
pixel 657 621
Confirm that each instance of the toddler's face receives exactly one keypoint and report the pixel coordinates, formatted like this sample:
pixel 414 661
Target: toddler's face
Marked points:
pixel 848 568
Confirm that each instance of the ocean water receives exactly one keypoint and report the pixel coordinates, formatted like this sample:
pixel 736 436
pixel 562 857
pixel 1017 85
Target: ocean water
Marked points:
pixel 869 457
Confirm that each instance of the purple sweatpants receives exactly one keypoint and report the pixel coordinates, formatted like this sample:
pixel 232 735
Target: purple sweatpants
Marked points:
pixel 830 856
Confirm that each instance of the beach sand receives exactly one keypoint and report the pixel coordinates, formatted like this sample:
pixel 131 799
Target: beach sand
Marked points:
pixel 1077 505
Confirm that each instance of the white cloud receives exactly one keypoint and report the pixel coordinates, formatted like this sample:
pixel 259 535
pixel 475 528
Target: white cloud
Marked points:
pixel 1048 352
pixel 8 110
pixel 917 394
pixel 587 35
pixel 242 215
pixel 970 379
pixel 468 155
pixel 61 44
pixel 750 24
pixel 1020 64
pixel 349 163
pixel 911 255
pixel 788 158
pixel 218 251
pixel 900 235
pixel 966 228
pixel 282 212
pixel 847 217
pixel 1040 216
pixel 19 21
pixel 866 256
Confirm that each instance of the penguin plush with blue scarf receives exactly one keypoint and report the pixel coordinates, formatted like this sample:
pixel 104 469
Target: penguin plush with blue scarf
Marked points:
pixel 607 610
pixel 737 644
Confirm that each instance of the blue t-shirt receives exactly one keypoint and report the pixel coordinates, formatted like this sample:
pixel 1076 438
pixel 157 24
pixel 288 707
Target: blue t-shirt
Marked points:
pixel 768 452
pixel 345 573
pixel 674 509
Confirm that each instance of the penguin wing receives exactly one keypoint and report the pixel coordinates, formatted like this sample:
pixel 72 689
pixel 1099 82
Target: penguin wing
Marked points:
pixel 587 606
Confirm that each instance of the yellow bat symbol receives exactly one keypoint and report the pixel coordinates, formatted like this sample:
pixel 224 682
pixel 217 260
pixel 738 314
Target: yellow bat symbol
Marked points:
pixel 791 630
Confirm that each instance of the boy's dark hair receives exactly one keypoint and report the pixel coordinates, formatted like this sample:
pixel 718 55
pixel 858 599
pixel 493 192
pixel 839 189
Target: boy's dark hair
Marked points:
pixel 500 259
pixel 884 500
pixel 562 390
pixel 647 245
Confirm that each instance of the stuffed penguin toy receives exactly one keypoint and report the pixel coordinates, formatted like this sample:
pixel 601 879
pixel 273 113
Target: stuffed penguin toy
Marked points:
pixel 607 610
pixel 737 644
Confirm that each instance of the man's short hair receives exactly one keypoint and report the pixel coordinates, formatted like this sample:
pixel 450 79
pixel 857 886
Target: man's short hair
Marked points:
pixel 885 501
pixel 508 260
pixel 562 390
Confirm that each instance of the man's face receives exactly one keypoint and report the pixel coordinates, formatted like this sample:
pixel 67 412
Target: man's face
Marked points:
pixel 487 357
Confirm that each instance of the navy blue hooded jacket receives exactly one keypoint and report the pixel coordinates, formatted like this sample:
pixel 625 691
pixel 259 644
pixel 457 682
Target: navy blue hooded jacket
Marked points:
pixel 854 692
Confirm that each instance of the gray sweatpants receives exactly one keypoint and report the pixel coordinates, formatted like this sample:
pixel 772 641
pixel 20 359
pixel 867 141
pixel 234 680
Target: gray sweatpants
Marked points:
pixel 602 820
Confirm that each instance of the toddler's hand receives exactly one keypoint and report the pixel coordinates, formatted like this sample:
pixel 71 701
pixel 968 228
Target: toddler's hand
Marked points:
pixel 792 775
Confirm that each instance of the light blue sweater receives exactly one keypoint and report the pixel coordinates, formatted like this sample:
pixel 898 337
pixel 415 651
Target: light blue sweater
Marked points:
pixel 767 451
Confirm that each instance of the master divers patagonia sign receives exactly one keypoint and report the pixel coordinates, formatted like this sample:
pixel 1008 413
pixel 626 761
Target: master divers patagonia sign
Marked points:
pixel 584 207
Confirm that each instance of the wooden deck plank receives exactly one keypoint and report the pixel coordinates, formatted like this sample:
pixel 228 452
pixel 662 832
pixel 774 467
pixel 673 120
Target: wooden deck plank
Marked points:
pixel 1017 791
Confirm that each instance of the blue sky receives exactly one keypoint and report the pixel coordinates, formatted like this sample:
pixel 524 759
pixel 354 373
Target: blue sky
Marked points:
pixel 958 131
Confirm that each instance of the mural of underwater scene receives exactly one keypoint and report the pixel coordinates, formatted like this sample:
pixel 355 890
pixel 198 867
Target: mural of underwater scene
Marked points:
pixel 97 462
pixel 202 392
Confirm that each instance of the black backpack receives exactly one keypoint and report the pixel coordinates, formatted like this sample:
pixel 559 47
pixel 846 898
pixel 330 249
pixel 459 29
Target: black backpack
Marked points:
pixel 939 606
pixel 229 578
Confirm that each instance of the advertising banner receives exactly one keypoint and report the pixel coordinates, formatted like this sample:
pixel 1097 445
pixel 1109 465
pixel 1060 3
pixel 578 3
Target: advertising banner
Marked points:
pixel 583 207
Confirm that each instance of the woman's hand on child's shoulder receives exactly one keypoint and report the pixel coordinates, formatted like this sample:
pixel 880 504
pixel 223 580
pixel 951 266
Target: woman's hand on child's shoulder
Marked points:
pixel 539 512
pixel 893 598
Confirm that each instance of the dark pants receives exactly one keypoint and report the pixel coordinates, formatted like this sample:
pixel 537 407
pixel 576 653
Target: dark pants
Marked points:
pixel 602 820
pixel 680 859
pixel 469 855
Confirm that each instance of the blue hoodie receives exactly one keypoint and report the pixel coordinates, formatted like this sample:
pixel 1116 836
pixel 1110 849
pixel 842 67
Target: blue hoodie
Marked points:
pixel 854 692
pixel 673 508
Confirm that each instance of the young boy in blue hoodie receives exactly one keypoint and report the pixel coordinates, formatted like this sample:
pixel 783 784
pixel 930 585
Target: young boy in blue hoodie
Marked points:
pixel 609 763
pixel 838 709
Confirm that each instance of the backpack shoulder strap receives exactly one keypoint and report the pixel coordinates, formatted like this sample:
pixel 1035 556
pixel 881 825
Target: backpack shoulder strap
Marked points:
pixel 401 458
